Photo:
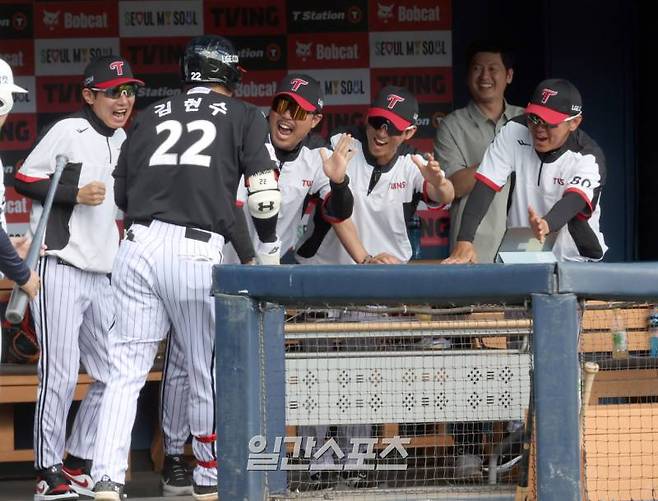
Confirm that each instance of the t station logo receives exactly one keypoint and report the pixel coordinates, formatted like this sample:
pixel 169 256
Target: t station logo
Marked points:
pixel 340 15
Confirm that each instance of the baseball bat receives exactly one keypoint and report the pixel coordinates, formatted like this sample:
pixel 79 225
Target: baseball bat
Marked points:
pixel 523 492
pixel 589 373
pixel 18 300
pixel 590 369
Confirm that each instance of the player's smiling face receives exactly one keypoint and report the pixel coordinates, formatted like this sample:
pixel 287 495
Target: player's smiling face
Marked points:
pixel 286 131
pixel 382 145
pixel 113 112
pixel 547 138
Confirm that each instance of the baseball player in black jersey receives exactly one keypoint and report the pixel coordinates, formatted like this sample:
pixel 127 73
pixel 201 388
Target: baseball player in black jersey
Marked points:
pixel 74 312
pixel 176 179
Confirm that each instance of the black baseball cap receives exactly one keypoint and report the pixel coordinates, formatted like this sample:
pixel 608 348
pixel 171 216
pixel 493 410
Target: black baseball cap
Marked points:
pixel 303 89
pixel 396 104
pixel 555 100
pixel 109 71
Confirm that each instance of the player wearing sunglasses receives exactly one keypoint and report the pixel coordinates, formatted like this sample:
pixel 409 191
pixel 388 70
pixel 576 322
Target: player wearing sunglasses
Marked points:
pixel 308 173
pixel 75 310
pixel 388 179
pixel 559 170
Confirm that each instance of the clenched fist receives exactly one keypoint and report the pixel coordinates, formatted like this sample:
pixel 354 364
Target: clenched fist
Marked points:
pixel 91 194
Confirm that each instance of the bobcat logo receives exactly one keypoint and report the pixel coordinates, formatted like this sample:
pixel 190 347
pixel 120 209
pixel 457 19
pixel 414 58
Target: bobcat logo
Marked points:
pixel 385 12
pixel 303 50
pixel 51 19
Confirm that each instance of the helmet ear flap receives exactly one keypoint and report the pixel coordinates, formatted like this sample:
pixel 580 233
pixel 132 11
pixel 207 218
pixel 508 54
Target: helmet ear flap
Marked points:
pixel 211 59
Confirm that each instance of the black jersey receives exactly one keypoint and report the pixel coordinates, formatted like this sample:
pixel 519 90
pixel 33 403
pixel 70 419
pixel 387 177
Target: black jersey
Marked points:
pixel 184 156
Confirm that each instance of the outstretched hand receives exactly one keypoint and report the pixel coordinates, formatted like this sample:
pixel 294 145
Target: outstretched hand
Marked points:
pixel 334 166
pixel 538 224
pixel 431 171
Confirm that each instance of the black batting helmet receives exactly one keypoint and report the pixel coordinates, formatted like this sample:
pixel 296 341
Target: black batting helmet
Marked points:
pixel 211 58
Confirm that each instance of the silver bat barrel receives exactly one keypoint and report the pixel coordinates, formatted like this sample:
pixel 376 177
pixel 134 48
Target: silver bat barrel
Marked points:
pixel 19 300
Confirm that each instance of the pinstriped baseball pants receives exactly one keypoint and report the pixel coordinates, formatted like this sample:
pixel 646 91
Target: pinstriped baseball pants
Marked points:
pixel 161 279
pixel 73 314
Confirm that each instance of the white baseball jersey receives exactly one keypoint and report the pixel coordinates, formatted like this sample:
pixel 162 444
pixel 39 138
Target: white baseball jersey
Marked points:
pixel 301 178
pixel 84 236
pixel 542 180
pixel 383 198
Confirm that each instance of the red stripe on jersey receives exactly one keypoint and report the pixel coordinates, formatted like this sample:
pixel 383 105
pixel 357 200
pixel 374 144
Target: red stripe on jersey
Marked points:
pixel 584 196
pixel 29 179
pixel 428 200
pixel 482 178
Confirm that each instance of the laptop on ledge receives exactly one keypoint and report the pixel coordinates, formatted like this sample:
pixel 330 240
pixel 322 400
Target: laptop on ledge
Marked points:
pixel 519 245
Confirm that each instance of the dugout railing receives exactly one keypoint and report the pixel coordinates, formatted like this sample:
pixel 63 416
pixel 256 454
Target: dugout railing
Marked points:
pixel 251 307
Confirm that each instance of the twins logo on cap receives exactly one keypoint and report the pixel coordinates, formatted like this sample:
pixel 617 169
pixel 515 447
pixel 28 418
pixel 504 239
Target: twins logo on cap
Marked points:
pixel 555 100
pixel 296 83
pixel 396 104
pixel 118 67
pixel 393 100
pixel 546 94
pixel 303 89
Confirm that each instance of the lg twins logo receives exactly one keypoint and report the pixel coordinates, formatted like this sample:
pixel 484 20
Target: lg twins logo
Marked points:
pixel 547 94
pixel 393 100
pixel 117 66
pixel 296 83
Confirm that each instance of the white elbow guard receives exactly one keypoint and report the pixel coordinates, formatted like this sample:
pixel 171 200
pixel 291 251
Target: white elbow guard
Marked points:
pixel 264 198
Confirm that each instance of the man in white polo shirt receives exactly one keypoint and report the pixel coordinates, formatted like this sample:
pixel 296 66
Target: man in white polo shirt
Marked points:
pixel 559 170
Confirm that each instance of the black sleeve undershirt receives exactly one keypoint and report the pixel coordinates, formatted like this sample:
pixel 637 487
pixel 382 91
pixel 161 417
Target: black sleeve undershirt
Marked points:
pixel 341 201
pixel 476 207
pixel 240 239
pixel 564 211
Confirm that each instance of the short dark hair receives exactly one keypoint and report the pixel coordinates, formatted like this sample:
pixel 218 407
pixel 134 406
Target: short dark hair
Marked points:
pixel 495 46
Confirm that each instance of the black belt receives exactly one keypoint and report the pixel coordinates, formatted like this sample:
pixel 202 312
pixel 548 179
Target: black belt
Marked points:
pixel 191 233
pixel 64 263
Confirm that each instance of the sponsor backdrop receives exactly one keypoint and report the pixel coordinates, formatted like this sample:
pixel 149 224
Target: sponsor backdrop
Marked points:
pixel 353 47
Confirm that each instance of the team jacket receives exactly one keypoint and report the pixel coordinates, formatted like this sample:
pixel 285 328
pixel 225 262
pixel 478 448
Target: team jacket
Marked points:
pixel 84 236
pixel 543 179
pixel 384 198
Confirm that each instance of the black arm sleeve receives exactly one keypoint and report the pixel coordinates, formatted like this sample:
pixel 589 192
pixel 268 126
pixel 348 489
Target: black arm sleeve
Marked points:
pixel 37 190
pixel 340 201
pixel 240 237
pixel 10 262
pixel 120 184
pixel 476 207
pixel 266 228
pixel 564 211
